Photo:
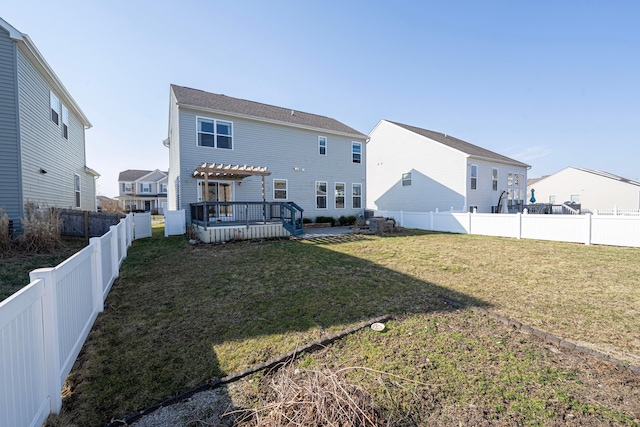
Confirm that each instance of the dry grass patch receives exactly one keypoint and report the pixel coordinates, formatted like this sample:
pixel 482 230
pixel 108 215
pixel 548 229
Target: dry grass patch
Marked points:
pixel 181 315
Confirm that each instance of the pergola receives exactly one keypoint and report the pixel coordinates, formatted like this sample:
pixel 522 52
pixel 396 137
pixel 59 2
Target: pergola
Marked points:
pixel 230 172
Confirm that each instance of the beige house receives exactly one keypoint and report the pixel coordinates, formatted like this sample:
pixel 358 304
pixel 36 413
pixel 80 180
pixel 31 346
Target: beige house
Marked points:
pixel 591 189
pixel 143 190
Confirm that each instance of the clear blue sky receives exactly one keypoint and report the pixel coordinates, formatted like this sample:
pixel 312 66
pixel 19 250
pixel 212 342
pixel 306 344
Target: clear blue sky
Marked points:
pixel 550 83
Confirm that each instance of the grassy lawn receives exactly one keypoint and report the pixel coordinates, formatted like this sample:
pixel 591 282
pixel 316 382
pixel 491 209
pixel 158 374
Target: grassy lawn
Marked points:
pixel 16 266
pixel 181 315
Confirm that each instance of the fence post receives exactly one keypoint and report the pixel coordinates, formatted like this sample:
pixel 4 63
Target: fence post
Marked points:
pixel 519 224
pixel 115 241
pixel 469 223
pixel 51 337
pixel 401 218
pixel 96 267
pixel 588 231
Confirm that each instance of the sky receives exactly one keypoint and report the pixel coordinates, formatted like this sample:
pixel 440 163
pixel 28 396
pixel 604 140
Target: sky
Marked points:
pixel 549 83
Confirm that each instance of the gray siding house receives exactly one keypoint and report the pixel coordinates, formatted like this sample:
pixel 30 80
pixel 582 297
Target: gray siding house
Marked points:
pixel 314 161
pixel 143 190
pixel 42 142
pixel 419 170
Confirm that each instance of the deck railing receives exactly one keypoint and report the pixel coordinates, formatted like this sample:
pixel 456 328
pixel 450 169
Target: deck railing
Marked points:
pixel 211 214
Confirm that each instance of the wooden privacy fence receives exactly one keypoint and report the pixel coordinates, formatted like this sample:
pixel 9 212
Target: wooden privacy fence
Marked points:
pixel 86 224
pixel 587 229
pixel 44 325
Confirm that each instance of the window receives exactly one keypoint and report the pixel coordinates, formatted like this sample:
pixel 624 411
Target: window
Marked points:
pixel 552 199
pixel 322 145
pixel 77 188
pixel 356 152
pixel 163 188
pixel 65 122
pixel 55 108
pixel 321 195
pixel 474 177
pixel 339 193
pixel 473 209
pixel 575 198
pixel 126 187
pixel 279 189
pixel 510 180
pixel 494 177
pixel 215 133
pixel 406 179
pixel 145 188
pixel 356 191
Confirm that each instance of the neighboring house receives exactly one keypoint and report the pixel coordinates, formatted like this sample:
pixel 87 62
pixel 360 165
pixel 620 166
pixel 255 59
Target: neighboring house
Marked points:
pixel 418 170
pixel 142 190
pixel 42 141
pixel 591 189
pixel 257 152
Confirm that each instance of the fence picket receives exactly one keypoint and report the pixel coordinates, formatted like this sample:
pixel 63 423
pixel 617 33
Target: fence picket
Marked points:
pixel 44 325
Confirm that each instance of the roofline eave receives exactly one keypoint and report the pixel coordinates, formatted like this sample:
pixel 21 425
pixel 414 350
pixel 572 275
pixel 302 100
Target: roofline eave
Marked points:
pixel 262 119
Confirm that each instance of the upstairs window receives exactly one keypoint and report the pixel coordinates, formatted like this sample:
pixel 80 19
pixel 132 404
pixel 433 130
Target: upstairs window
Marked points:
pixel 163 188
pixel 322 145
pixel 494 178
pixel 65 122
pixel 126 187
pixel 77 189
pixel 406 179
pixel 356 152
pixel 54 104
pixel 474 177
pixel 215 133
pixel 145 188
pixel 279 189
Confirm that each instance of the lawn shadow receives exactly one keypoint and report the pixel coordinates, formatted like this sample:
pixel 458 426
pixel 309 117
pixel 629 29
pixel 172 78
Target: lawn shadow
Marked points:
pixel 180 315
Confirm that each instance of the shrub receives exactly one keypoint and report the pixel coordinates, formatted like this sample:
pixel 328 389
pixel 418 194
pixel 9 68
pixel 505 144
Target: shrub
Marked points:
pixel 307 220
pixel 347 220
pixel 325 219
pixel 5 236
pixel 41 229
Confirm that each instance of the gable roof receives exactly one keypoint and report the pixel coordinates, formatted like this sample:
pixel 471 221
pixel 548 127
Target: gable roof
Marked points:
pixel 38 61
pixel 609 175
pixel 460 145
pixel 134 174
pixel 225 104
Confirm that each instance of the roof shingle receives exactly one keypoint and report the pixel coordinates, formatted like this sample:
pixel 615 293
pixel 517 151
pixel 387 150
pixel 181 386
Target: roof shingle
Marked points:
pixel 460 145
pixel 213 101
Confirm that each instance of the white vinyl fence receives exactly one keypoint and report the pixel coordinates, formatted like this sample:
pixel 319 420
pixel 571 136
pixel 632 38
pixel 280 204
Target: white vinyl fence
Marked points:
pixel 587 229
pixel 142 225
pixel 44 325
pixel 174 223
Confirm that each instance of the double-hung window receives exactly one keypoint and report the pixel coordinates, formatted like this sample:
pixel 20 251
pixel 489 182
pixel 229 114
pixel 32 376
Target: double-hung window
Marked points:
pixel 406 179
pixel 474 177
pixel 356 192
pixel 127 187
pixel 322 145
pixel 279 189
pixel 339 195
pixel 215 133
pixel 356 152
pixel 494 179
pixel 163 188
pixel 54 105
pixel 145 188
pixel 321 194
pixel 77 189
pixel 65 122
